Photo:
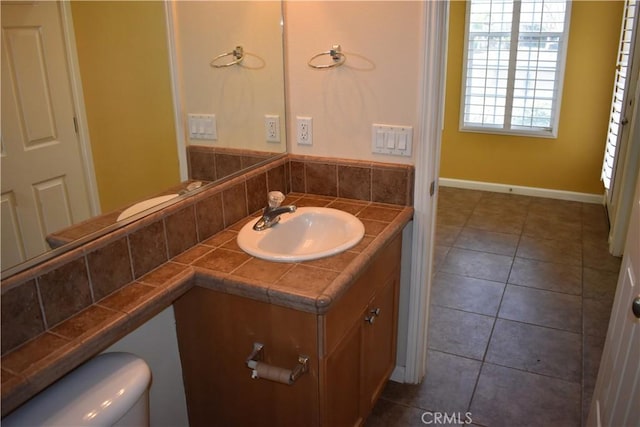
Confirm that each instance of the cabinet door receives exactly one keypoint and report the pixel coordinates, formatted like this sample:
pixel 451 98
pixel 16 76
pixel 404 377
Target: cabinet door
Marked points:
pixel 379 342
pixel 343 382
pixel 216 332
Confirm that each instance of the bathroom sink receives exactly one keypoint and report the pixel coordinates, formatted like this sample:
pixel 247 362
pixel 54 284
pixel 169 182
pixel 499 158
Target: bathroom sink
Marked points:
pixel 144 205
pixel 306 234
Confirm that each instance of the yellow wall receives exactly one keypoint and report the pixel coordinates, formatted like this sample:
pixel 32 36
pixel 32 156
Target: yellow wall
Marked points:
pixel 571 162
pixel 124 65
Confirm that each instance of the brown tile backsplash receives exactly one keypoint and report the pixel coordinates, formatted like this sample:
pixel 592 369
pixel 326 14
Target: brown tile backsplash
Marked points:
pixel 297 176
pixel 148 248
pixel 109 268
pixel 391 185
pixel 369 181
pixel 277 179
pixel 213 163
pixel 20 306
pixel 63 293
pixel 354 182
pixel 209 216
pixel 202 164
pixel 321 179
pixel 234 203
pixel 181 230
pixel 227 164
pixel 256 192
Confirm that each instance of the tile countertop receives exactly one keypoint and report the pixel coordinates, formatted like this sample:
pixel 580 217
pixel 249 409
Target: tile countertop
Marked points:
pixel 217 263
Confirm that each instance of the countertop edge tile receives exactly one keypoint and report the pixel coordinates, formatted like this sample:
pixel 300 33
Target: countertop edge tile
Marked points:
pixel 233 285
pixel 55 365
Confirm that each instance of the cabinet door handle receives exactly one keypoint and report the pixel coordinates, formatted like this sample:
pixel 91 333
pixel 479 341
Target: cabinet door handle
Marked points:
pixel 372 317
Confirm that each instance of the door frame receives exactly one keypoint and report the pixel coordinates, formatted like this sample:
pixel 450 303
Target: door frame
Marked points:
pixel 82 127
pixel 178 101
pixel 435 25
pixel 619 199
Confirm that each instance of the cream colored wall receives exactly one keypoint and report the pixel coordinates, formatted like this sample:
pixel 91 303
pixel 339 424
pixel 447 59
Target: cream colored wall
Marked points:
pixel 571 162
pixel 123 57
pixel 379 83
pixel 238 96
pixel 156 342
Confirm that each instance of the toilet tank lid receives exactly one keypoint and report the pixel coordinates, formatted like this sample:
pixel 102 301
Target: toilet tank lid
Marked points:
pixel 97 393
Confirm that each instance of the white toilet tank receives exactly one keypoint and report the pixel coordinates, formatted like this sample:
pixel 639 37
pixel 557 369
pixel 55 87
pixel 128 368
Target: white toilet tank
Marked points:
pixel 111 389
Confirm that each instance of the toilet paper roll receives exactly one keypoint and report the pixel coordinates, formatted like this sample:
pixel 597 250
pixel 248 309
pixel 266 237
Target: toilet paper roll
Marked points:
pixel 272 373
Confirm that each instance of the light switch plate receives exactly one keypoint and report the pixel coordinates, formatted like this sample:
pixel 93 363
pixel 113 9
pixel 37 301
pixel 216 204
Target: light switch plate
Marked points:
pixel 203 126
pixel 391 139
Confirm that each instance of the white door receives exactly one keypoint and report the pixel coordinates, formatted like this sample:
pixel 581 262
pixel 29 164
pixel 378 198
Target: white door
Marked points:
pixel 43 180
pixel 616 399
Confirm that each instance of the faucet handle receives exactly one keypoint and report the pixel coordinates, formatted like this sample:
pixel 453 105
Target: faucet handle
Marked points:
pixel 275 198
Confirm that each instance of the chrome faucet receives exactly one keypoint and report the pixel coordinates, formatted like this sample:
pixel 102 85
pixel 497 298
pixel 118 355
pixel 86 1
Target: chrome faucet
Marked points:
pixel 271 213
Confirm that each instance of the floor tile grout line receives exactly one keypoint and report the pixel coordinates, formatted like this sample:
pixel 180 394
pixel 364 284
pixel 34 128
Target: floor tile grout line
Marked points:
pixel 484 363
pixel 532 372
pixel 497 317
pixel 493 327
pixel 582 330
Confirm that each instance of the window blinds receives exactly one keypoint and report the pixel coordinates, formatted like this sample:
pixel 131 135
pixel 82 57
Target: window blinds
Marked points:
pixel 514 63
pixel 619 87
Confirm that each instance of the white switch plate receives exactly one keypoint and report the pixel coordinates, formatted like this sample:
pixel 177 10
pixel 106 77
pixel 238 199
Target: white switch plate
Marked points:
pixel 203 126
pixel 304 130
pixel 272 128
pixel 391 139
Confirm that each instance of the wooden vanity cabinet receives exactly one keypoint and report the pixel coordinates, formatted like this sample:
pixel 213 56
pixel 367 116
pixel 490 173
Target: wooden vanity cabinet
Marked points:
pixel 359 349
pixel 350 356
pixel 216 332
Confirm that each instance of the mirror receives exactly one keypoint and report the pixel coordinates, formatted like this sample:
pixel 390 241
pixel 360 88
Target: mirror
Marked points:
pixel 133 60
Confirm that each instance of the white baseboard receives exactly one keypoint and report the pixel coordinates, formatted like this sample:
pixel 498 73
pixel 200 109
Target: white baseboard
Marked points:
pixel 398 374
pixel 525 191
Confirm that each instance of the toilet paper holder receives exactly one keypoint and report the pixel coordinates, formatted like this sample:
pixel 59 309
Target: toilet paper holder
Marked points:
pixel 259 369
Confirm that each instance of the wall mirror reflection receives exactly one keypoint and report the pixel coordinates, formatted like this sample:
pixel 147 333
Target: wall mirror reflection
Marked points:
pixel 106 104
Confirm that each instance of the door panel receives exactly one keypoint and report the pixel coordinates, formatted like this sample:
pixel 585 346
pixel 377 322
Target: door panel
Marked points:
pixel 41 166
pixel 617 391
pixel 12 245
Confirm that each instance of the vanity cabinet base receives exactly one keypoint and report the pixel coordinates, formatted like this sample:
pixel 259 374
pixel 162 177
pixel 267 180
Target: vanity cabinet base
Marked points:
pixel 350 350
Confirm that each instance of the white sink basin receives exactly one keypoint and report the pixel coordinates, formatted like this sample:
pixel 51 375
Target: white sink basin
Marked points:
pixel 308 233
pixel 144 205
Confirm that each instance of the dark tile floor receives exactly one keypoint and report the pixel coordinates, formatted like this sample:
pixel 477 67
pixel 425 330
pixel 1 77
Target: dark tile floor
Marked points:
pixel 520 303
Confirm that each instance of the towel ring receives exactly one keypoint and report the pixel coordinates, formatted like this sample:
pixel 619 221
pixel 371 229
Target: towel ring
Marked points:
pixel 335 53
pixel 237 53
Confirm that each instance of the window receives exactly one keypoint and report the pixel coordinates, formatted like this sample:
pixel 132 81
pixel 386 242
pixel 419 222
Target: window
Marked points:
pixel 514 66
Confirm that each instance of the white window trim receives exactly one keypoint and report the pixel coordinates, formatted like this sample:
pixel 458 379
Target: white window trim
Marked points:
pixel 551 133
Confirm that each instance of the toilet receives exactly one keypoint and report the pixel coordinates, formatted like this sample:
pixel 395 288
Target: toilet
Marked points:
pixel 111 389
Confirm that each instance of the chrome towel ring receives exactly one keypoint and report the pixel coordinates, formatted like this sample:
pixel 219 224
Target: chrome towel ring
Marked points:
pixel 237 53
pixel 335 53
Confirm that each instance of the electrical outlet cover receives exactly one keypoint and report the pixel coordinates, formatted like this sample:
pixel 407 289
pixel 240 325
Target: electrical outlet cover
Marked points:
pixel 304 130
pixel 272 128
